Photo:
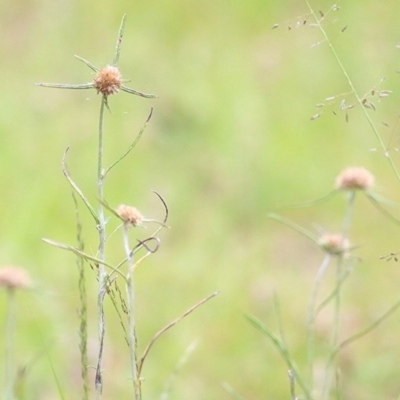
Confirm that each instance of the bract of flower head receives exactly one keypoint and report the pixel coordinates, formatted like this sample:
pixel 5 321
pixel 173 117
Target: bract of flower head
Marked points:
pixel 355 178
pixel 130 215
pixel 12 277
pixel 108 80
pixel 334 244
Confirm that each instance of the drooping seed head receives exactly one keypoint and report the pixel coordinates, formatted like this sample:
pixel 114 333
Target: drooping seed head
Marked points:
pixel 130 215
pixel 12 277
pixel 108 80
pixel 355 178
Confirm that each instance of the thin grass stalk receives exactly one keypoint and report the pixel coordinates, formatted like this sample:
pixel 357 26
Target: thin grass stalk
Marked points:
pixel 326 387
pixel 283 351
pixel 54 373
pixel 86 256
pixel 9 344
pixel 165 395
pixel 312 315
pixel 354 91
pixel 337 302
pixel 292 372
pixel 332 294
pixel 346 228
pixel 83 334
pixel 169 326
pixel 131 316
pixel 101 253
pixel 235 395
pixel 367 330
pixel 292 382
pixel 337 309
pixel 362 333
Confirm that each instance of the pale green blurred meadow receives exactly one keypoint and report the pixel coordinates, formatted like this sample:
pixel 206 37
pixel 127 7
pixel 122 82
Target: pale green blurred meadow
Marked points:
pixel 230 140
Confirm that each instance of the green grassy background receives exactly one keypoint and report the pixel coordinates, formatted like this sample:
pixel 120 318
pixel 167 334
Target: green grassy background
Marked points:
pixel 230 139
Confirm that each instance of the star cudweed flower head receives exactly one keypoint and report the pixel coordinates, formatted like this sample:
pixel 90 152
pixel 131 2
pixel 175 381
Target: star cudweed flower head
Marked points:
pixel 334 244
pixel 14 278
pixel 355 178
pixel 130 215
pixel 108 80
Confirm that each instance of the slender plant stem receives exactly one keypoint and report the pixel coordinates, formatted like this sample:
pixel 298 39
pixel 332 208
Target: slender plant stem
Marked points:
pixel 348 219
pixel 346 228
pixel 312 314
pixel 283 351
pixel 131 316
pixel 101 252
pixel 362 333
pixel 83 334
pixel 337 304
pixel 9 345
pixel 292 382
pixel 165 395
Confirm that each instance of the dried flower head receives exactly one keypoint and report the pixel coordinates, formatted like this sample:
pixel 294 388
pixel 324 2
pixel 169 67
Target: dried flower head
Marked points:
pixel 334 244
pixel 130 215
pixel 355 178
pixel 108 80
pixel 12 277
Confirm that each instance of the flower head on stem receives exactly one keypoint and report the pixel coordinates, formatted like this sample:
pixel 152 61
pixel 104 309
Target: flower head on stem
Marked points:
pixel 130 215
pixel 108 80
pixel 334 244
pixel 355 178
pixel 14 278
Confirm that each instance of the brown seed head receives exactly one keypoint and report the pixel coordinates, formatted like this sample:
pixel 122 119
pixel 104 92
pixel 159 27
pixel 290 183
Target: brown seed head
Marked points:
pixel 12 277
pixel 355 178
pixel 108 80
pixel 130 215
pixel 334 244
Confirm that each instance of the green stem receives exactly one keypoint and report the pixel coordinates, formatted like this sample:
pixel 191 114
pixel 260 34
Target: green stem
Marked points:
pixel 9 345
pixel 101 254
pixel 312 314
pixel 338 298
pixel 131 317
pixel 83 334
pixel 362 333
pixel 283 351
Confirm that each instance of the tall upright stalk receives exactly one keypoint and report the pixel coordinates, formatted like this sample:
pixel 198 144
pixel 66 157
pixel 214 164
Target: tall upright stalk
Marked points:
pixel 338 298
pixel 107 81
pixel 9 345
pixel 312 314
pixel 131 316
pixel 101 252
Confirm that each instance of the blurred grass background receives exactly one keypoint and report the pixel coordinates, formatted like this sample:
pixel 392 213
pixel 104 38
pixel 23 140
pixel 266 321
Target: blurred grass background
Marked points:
pixel 230 140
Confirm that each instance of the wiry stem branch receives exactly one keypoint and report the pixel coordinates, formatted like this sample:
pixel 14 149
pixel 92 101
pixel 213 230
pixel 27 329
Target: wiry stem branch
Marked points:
pixel 131 316
pixel 102 239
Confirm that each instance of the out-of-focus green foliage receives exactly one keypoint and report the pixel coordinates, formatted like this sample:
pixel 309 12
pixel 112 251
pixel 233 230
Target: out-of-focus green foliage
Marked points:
pixel 230 140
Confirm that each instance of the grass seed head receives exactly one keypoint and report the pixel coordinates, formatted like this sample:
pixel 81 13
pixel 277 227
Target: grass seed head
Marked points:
pixel 108 80
pixel 355 178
